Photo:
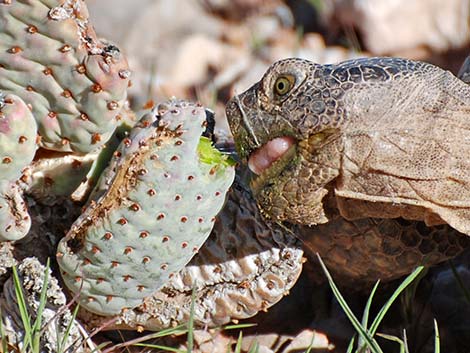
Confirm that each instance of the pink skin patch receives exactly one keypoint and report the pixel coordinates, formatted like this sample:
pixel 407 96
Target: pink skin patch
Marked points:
pixel 266 155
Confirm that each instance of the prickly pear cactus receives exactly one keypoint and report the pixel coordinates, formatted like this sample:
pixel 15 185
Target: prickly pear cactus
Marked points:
pixel 17 148
pixel 165 185
pixel 74 84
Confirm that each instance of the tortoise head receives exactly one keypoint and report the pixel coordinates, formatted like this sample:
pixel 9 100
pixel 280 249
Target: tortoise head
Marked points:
pixel 280 124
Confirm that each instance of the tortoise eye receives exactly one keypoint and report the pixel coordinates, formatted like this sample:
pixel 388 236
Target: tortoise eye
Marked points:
pixel 283 85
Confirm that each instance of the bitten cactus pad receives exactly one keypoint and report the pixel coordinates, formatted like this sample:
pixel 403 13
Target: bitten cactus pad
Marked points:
pixel 51 58
pixel 164 192
pixel 17 148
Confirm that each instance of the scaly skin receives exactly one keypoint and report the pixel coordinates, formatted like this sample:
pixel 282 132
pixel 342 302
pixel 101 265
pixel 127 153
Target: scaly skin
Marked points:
pixel 374 138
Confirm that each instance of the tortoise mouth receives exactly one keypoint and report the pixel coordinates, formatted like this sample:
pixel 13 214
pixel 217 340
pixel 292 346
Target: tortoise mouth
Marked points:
pixel 268 161
pixel 263 158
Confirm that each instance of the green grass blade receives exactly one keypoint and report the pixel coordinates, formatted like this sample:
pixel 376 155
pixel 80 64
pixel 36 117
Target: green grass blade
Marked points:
pixel 351 345
pixel 310 346
pixel 254 348
pixel 67 331
pixel 395 295
pixel 368 339
pixel 42 305
pixel 394 339
pixel 100 347
pixel 405 340
pixel 178 330
pixel 2 334
pixel 365 315
pixel 238 346
pixel 25 318
pixel 437 343
pixel 191 322
pixel 237 326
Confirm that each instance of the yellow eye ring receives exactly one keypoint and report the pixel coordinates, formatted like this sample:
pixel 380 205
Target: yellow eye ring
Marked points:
pixel 283 85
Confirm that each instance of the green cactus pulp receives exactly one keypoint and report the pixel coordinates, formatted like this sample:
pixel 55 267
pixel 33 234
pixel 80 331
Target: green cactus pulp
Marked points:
pixel 210 155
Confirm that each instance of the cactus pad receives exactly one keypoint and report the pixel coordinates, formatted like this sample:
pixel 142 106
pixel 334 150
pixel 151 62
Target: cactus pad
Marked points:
pixel 17 137
pixel 164 192
pixel 74 84
pixel 17 148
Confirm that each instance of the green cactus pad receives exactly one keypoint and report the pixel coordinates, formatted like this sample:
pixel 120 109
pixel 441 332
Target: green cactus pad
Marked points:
pixel 17 137
pixel 75 84
pixel 17 148
pixel 158 210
